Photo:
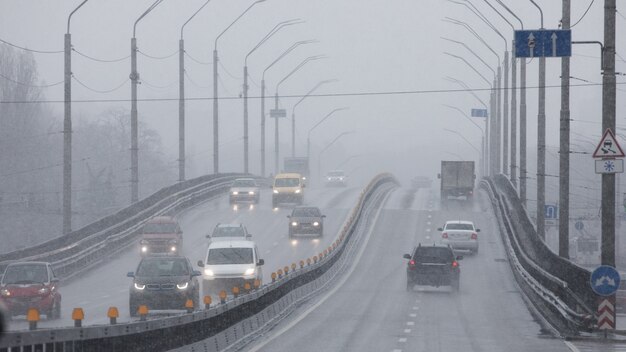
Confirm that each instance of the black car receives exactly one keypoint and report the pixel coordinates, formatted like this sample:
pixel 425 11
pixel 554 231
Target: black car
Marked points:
pixel 433 266
pixel 306 221
pixel 163 283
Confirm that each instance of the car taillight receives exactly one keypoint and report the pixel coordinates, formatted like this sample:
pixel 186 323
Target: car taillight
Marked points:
pixel 455 264
pixel 411 264
pixel 474 236
pixel 444 235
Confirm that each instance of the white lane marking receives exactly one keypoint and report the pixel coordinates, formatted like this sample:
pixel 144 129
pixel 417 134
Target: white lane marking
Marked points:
pixel 275 244
pixel 402 340
pixel 396 350
pixel 427 230
pixel 430 216
pixel 412 315
pixel 410 323
pixel 571 346
pixel 345 277
pixel 427 237
pixel 407 331
pixel 427 222
pixel 416 308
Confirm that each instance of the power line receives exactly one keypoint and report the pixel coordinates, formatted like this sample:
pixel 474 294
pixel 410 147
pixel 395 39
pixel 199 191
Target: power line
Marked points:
pixel 39 168
pixel 294 96
pixel 100 60
pixel 194 82
pixel 31 50
pixel 228 72
pixel 97 90
pixel 158 57
pixel 169 85
pixel 196 60
pixel 584 14
pixel 30 85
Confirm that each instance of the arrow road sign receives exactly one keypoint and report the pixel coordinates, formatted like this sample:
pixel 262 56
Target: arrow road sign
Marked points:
pixel 551 211
pixel 605 280
pixel 608 147
pixel 579 225
pixel 543 43
pixel 606 315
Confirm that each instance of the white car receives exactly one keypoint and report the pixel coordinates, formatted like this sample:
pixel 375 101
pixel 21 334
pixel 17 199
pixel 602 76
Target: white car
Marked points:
pixel 230 264
pixel 460 235
pixel 244 190
pixel 336 178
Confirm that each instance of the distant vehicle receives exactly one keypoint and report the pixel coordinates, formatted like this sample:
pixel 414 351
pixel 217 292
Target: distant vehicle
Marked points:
pixel 163 283
pixel 230 264
pixel 161 235
pixel 421 182
pixel 288 188
pixel 434 265
pixel 229 232
pixel 30 285
pixel 306 221
pixel 460 235
pixel 457 180
pixel 244 190
pixel 297 165
pixel 336 178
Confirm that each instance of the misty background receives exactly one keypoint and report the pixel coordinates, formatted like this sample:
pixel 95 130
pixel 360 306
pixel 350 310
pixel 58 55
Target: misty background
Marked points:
pixel 377 47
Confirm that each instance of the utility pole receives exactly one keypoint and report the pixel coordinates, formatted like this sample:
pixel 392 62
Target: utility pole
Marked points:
pixel 216 161
pixel 245 120
pixel 513 172
pixel 608 122
pixel 564 155
pixel 498 125
pixel 276 139
pixel 134 145
pixel 181 110
pixel 505 118
pixel 263 127
pixel 522 133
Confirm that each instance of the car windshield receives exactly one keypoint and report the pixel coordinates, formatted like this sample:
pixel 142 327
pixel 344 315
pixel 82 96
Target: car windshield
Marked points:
pixel 306 212
pixel 435 255
pixel 287 182
pixel 244 183
pixel 159 228
pixel 457 226
pixel 152 267
pixel 228 231
pixel 25 274
pixel 335 173
pixel 218 256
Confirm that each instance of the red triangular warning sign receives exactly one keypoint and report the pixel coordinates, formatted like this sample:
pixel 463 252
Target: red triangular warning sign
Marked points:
pixel 608 147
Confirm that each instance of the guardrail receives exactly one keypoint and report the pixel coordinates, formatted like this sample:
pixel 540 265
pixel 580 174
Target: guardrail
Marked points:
pixel 75 252
pixel 224 324
pixel 558 288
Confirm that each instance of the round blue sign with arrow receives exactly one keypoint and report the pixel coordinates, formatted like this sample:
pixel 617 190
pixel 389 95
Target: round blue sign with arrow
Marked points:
pixel 605 280
pixel 579 225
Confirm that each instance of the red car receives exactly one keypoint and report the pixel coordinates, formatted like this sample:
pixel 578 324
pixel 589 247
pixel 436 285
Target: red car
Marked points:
pixel 30 285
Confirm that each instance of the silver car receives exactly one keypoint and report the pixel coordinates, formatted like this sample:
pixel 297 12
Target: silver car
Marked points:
pixel 460 235
pixel 244 190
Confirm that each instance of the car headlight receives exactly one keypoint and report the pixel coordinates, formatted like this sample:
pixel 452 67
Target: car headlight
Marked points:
pixel 303 177
pixel 248 272
pixel 328 178
pixel 251 193
pixel 297 191
pixel 5 293
pixel 340 178
pixel 235 193
pixel 143 242
pixel 316 223
pixel 294 224
pixel 173 249
pixel 144 249
pixel 43 290
pixel 139 286
pixel 182 286
pixel 208 272
pixel 275 191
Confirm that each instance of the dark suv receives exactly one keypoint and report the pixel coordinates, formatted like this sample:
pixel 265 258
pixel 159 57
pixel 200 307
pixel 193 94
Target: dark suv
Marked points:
pixel 163 283
pixel 306 221
pixel 433 266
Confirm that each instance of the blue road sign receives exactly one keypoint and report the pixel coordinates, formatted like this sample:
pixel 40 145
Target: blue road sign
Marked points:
pixel 579 225
pixel 551 212
pixel 605 280
pixel 543 43
pixel 479 113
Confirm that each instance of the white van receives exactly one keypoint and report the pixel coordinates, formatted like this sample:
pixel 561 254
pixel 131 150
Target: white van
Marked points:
pixel 230 264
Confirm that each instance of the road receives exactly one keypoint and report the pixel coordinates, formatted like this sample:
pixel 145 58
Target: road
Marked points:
pixel 372 311
pixel 107 284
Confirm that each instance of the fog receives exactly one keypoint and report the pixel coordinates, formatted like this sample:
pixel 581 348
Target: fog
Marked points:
pixel 387 57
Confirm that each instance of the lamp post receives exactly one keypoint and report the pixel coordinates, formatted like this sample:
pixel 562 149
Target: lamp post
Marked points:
pixel 67 128
pixel 134 133
pixel 216 154
pixel 181 97
pixel 319 156
pixel 290 49
pixel 274 30
pixel 293 114
pixel 482 132
pixel 308 138
pixel 276 137
pixel 463 138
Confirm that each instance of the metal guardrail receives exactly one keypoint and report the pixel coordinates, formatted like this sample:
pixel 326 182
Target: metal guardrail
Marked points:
pixel 561 301
pixel 222 324
pixel 77 251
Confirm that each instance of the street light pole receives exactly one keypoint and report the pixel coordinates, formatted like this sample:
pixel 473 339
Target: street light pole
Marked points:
pixel 293 114
pixel 181 97
pixel 134 130
pixel 276 135
pixel 482 132
pixel 308 138
pixel 564 155
pixel 319 156
pixel 290 49
pixel 274 30
pixel 216 154
pixel 67 128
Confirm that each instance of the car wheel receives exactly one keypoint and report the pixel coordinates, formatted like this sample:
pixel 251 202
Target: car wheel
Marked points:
pixel 475 251
pixel 57 311
pixel 456 285
pixel 409 285
pixel 133 307
pixel 51 314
